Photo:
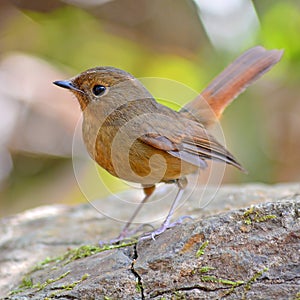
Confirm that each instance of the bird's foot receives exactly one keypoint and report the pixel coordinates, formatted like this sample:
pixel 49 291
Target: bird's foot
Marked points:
pixel 125 235
pixel 163 228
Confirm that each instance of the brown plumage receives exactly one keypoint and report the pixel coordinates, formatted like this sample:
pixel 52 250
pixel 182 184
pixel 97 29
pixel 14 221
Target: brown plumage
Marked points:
pixel 137 139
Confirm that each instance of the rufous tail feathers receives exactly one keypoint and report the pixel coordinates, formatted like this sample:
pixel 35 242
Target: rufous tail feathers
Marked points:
pixel 247 68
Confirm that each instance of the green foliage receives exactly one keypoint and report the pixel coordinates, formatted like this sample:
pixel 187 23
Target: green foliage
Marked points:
pixel 254 215
pixel 201 249
pixel 80 252
pixel 254 278
pixel 206 269
pixel 73 39
pixel 279 29
pixel 66 258
pixel 28 284
pixel 206 278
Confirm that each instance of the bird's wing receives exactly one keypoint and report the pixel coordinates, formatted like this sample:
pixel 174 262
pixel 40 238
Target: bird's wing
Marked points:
pixel 187 140
pixel 167 130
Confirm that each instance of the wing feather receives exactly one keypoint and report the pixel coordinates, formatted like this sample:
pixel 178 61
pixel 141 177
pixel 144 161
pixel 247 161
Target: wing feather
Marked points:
pixel 193 148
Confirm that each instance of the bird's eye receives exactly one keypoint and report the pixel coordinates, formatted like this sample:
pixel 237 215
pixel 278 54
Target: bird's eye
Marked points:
pixel 99 90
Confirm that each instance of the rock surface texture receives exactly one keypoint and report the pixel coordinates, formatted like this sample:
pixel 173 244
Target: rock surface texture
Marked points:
pixel 245 244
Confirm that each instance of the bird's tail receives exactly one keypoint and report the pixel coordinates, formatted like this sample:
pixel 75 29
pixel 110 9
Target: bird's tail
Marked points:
pixel 210 104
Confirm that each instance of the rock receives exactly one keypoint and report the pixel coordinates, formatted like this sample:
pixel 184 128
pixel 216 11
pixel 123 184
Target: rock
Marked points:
pixel 234 252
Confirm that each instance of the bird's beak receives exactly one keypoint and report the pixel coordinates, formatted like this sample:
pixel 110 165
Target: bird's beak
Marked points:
pixel 66 84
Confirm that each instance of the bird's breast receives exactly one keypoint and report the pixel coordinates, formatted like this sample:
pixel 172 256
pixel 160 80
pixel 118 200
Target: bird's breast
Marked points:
pixel 118 150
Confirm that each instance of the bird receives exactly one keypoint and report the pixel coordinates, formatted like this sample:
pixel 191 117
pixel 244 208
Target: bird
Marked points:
pixel 135 138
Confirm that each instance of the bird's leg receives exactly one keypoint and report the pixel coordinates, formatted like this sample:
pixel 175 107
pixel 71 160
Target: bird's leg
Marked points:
pixel 125 233
pixel 148 192
pixel 181 183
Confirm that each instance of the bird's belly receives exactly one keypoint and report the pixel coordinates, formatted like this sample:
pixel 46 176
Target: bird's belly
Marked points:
pixel 130 159
pixel 141 163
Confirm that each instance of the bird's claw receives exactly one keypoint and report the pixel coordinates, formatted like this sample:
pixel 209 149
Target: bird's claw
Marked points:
pixel 125 235
pixel 163 228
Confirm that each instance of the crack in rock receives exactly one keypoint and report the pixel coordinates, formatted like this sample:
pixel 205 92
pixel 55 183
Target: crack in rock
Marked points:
pixel 139 282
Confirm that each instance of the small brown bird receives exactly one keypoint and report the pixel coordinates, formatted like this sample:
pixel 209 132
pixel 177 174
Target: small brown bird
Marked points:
pixel 137 139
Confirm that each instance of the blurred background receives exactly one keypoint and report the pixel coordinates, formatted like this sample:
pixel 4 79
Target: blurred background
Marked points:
pixel 189 41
